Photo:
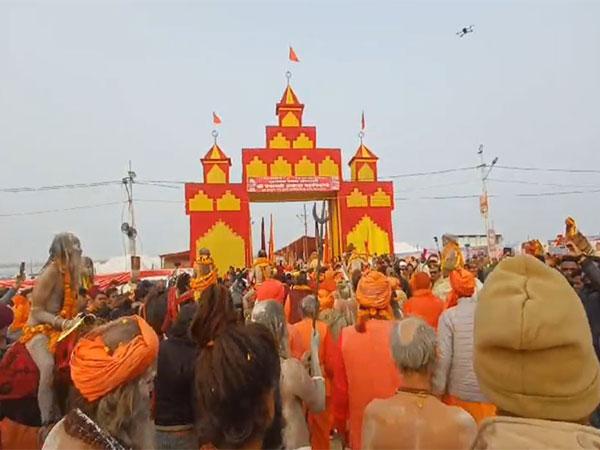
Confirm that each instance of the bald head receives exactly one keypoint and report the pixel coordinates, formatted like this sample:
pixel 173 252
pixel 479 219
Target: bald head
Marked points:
pixel 413 346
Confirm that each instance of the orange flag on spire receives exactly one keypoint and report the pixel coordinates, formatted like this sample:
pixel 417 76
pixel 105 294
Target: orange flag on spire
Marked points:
pixel 216 119
pixel 362 121
pixel 293 56
pixel 271 242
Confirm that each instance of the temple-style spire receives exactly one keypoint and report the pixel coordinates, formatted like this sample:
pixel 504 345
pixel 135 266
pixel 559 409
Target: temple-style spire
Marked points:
pixel 289 109
pixel 216 164
pixel 363 165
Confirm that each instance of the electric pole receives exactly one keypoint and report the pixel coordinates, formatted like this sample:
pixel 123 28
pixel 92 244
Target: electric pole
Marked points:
pixel 128 228
pixel 304 219
pixel 483 201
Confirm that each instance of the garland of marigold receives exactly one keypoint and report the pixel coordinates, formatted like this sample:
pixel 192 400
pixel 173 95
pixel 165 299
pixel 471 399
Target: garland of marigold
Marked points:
pixel 201 282
pixel 67 312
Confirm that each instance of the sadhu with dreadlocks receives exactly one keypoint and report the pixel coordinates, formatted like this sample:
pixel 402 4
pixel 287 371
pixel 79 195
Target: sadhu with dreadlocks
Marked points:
pixel 54 305
pixel 237 377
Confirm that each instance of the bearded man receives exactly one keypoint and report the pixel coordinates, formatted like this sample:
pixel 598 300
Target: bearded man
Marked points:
pixel 53 306
pixel 112 369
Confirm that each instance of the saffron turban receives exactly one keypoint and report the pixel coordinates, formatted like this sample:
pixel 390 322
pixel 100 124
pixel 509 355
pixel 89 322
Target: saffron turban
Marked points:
pixel 373 295
pixel 96 372
pixel 463 285
pixel 420 280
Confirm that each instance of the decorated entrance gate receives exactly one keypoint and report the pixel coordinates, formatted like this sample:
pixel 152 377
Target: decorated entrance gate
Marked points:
pixel 290 167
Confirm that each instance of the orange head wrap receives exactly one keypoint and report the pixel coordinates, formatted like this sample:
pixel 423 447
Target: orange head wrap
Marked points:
pixel 373 295
pixel 96 372
pixel 21 308
pixel 326 299
pixel 420 280
pixel 463 285
pixel 329 282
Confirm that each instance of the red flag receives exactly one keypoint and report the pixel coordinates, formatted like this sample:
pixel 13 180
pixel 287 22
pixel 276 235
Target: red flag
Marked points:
pixel 293 56
pixel 271 241
pixel 362 121
pixel 216 119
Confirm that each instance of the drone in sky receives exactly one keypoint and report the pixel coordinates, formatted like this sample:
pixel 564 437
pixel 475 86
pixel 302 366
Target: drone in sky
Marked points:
pixel 466 30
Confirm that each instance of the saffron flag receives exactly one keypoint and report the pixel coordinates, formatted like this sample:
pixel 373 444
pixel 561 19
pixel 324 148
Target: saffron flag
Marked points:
pixel 362 121
pixel 216 119
pixel 293 57
pixel 271 241
pixel 263 244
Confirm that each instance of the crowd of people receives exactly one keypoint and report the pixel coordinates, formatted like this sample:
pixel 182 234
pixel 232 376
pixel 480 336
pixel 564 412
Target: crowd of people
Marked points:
pixel 435 352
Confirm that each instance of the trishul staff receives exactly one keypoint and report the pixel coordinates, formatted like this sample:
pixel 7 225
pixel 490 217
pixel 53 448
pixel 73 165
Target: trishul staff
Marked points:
pixel 320 224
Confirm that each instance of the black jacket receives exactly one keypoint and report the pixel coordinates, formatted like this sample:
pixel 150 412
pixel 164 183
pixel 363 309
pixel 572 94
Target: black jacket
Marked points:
pixel 590 297
pixel 174 384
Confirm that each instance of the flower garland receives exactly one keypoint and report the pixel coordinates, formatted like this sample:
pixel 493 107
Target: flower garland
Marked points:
pixel 201 282
pixel 67 312
pixel 70 300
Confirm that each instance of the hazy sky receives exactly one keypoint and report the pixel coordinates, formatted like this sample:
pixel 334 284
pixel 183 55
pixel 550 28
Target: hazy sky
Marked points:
pixel 87 86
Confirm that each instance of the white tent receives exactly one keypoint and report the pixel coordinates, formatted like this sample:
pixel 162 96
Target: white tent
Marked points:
pixel 123 264
pixel 404 248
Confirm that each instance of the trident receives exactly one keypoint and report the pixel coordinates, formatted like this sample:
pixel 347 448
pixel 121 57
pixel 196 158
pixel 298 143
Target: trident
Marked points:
pixel 320 223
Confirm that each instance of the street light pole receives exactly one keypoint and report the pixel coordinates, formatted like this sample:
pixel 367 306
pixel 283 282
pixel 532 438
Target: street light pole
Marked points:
pixel 484 201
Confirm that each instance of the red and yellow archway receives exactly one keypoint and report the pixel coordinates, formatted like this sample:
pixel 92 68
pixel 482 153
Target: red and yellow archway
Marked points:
pixel 291 167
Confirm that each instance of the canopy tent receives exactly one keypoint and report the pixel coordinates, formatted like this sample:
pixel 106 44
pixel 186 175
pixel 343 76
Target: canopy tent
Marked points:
pixel 404 248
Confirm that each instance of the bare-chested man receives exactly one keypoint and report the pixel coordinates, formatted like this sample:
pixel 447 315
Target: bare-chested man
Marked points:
pixel 54 304
pixel 414 418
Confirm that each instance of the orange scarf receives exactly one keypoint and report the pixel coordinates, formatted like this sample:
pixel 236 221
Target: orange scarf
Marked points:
pixel 96 372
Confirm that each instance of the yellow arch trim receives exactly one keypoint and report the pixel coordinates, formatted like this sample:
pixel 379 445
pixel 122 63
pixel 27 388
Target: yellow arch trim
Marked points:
pixel 305 168
pixel 256 168
pixel 279 141
pixel 357 199
pixel 328 168
pixel 200 202
pixel 280 168
pixel 228 202
pixel 303 142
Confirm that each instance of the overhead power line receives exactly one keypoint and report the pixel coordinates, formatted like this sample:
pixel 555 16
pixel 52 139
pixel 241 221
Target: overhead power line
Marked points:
pixel 57 187
pixel 543 169
pixel 48 211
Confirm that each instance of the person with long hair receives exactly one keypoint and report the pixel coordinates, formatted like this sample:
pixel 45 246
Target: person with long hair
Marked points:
pixel 298 388
pixel 237 385
pixel 112 368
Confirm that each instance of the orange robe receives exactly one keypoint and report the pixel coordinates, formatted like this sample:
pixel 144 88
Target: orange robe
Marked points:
pixel 335 381
pixel 370 371
pixel 425 305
